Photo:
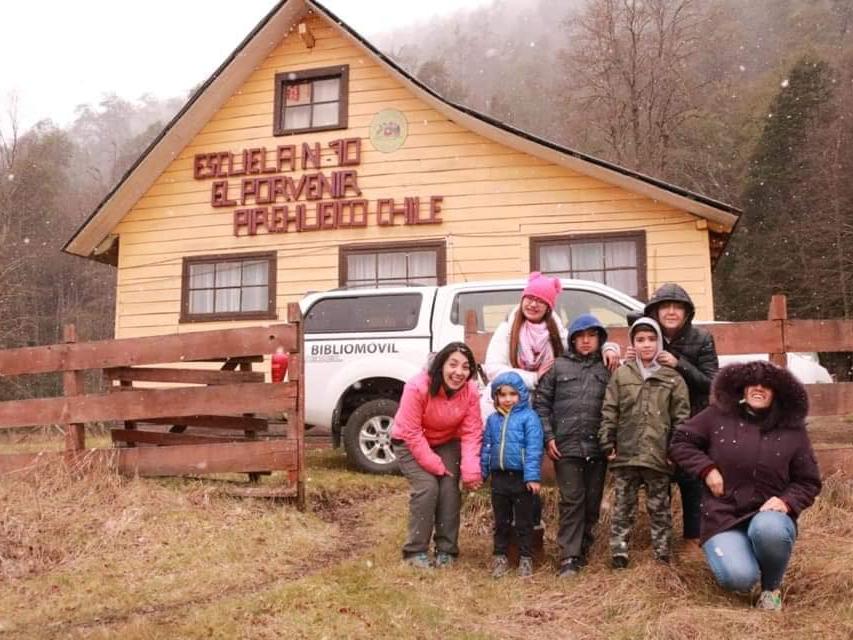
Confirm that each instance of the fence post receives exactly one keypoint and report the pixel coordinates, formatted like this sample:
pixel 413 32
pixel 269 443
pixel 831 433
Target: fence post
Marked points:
pixel 72 385
pixel 296 372
pixel 778 312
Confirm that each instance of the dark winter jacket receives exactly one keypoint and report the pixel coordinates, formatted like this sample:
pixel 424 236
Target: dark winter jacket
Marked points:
pixel 758 457
pixel 568 398
pixel 639 415
pixel 513 441
pixel 693 346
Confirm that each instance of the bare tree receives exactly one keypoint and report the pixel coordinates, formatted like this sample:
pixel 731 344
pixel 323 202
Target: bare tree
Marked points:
pixel 631 64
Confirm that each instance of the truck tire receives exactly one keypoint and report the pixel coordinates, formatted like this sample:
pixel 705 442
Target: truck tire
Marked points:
pixel 367 437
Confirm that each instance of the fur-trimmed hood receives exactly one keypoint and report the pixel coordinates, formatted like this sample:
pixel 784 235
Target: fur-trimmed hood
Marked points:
pixel 790 401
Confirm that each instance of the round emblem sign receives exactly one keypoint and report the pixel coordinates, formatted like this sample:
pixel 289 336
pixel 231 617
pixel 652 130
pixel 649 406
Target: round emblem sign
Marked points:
pixel 388 130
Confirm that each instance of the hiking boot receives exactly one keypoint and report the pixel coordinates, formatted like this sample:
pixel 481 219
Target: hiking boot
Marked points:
pixel 525 567
pixel 444 560
pixel 418 561
pixel 619 562
pixel 500 566
pixel 570 567
pixel 770 600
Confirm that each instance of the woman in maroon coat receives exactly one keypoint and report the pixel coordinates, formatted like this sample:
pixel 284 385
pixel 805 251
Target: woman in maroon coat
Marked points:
pixel 751 449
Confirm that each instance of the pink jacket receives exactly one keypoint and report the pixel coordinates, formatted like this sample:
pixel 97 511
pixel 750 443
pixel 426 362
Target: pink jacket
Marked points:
pixel 424 421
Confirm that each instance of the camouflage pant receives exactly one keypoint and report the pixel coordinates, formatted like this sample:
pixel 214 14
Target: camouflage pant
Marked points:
pixel 627 482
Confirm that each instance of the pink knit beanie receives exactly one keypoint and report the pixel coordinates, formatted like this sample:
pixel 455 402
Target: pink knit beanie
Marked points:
pixel 543 287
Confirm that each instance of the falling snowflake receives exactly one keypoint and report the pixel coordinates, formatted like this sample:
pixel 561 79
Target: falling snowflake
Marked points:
pixel 11 177
pixel 784 83
pixel 742 68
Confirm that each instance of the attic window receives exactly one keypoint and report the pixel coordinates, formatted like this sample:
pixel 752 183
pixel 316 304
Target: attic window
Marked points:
pixel 311 100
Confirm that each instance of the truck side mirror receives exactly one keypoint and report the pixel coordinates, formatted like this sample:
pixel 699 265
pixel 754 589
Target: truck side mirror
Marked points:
pixel 633 316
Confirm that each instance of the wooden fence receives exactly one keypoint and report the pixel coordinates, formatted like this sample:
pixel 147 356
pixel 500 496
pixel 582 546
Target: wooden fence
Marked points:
pixel 219 405
pixel 776 336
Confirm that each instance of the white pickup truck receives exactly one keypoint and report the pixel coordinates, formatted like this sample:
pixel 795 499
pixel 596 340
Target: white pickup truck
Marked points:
pixel 361 345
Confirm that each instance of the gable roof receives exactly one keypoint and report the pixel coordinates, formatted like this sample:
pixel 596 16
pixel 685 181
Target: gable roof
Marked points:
pixel 89 239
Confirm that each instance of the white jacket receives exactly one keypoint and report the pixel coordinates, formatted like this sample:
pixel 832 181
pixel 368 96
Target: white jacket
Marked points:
pixel 497 355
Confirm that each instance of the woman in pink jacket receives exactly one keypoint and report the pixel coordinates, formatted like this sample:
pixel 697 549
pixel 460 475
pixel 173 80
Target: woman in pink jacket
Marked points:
pixel 436 434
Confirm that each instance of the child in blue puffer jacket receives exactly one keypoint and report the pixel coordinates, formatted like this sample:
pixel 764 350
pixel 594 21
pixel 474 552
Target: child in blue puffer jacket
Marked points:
pixel 512 456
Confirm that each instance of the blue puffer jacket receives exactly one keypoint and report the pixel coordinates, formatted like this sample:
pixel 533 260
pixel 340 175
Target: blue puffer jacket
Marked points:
pixel 513 442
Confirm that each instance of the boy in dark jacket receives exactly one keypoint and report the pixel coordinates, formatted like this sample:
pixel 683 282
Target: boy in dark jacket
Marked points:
pixel 643 403
pixel 512 456
pixel 690 351
pixel 568 400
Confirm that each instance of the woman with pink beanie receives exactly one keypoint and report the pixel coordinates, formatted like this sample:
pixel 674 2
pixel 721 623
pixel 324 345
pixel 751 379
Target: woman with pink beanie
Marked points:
pixel 532 336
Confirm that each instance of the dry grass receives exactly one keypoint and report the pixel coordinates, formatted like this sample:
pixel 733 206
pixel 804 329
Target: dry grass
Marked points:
pixel 103 556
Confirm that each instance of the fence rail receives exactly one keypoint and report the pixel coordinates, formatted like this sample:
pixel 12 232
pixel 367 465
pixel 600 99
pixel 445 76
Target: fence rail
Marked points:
pixel 219 405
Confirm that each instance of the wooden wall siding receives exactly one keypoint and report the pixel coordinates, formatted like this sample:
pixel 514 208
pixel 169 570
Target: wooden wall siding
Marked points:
pixel 484 183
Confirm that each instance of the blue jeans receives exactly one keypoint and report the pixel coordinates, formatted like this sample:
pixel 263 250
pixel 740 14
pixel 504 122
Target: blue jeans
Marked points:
pixel 757 549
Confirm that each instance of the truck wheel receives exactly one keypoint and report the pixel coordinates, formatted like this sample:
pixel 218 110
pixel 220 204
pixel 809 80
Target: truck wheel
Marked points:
pixel 367 437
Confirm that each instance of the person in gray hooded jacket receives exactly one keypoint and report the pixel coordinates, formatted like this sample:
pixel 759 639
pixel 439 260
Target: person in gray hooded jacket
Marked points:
pixel 568 400
pixel 689 350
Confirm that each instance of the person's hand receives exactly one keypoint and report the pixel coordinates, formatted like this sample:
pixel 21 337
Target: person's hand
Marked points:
pixel 665 357
pixel 611 360
pixel 714 480
pixel 630 353
pixel 533 487
pixel 611 456
pixel 472 485
pixel 553 451
pixel 774 504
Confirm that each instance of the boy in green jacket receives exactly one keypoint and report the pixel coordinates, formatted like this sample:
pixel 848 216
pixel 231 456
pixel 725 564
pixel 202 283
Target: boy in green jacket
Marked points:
pixel 643 404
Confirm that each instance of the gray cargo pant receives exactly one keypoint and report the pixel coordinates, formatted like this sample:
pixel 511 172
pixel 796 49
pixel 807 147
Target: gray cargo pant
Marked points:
pixel 434 502
pixel 627 482
pixel 581 483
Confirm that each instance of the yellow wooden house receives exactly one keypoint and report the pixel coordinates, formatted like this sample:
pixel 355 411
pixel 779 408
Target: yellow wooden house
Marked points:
pixel 311 161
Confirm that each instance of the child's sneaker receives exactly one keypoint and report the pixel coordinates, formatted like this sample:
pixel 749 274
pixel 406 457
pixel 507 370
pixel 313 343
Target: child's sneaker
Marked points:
pixel 419 561
pixel 444 560
pixel 770 600
pixel 525 567
pixel 619 562
pixel 570 567
pixel 500 566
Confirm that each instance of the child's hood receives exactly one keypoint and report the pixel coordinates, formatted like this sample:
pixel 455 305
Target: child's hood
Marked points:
pixel 582 323
pixel 649 322
pixel 512 379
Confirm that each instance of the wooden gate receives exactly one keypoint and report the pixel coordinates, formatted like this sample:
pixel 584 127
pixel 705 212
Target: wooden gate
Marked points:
pixel 230 406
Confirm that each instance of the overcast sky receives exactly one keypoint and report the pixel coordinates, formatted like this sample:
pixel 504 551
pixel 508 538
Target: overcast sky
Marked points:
pixel 58 54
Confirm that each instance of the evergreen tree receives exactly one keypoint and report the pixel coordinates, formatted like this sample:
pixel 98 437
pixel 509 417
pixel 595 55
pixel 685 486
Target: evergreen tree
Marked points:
pixel 771 250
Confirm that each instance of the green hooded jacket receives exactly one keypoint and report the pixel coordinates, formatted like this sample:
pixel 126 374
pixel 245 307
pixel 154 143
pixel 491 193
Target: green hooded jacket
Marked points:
pixel 639 416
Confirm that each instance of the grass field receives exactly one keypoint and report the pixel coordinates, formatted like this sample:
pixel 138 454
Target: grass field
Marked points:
pixel 103 556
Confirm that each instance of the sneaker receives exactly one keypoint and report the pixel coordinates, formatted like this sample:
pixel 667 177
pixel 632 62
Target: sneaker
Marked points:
pixel 570 567
pixel 770 600
pixel 619 562
pixel 444 560
pixel 418 561
pixel 500 566
pixel 525 567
